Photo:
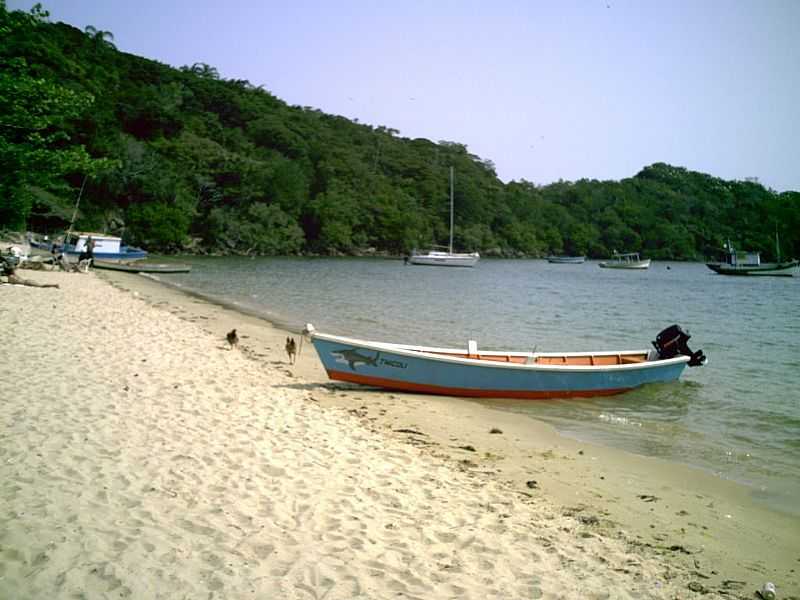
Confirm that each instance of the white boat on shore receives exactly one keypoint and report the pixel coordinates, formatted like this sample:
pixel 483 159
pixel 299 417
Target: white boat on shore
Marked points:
pixel 630 260
pixel 109 248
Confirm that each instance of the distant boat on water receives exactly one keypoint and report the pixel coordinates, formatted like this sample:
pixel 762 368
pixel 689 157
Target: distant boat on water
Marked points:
pixel 749 263
pixel 629 260
pixel 439 258
pixel 566 260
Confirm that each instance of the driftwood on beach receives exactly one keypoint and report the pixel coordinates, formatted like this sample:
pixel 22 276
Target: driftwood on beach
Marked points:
pixel 8 274
pixel 15 279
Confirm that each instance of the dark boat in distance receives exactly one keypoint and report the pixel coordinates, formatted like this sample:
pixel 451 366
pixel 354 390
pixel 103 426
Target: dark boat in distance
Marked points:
pixel 749 263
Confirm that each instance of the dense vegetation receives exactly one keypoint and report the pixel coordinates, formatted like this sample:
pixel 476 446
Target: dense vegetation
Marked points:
pixel 181 159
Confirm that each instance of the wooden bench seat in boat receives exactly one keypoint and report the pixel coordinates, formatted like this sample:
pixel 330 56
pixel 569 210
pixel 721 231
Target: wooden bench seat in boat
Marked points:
pixel 586 361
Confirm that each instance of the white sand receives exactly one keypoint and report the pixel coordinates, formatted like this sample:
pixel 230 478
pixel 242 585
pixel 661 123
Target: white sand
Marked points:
pixel 142 458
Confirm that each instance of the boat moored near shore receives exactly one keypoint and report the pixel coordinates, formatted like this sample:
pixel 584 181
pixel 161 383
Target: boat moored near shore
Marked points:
pixel 499 374
pixel 440 258
pixel 141 267
pixel 106 247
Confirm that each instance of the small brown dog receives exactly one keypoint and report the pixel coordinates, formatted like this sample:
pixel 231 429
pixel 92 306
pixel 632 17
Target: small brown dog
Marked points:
pixel 291 349
pixel 232 338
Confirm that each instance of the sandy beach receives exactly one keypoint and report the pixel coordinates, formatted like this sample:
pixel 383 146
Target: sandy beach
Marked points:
pixel 142 457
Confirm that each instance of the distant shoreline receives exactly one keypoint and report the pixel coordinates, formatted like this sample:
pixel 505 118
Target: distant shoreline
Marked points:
pixel 19 238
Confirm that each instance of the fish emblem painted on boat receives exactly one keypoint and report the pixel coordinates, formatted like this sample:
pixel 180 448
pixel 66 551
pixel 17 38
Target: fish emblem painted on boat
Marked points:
pixel 353 357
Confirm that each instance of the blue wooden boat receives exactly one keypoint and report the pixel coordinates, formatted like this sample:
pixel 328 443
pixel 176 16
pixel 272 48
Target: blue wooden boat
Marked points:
pixel 109 248
pixel 499 374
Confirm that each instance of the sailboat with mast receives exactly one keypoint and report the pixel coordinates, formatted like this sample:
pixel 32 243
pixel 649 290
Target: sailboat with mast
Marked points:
pixel 440 258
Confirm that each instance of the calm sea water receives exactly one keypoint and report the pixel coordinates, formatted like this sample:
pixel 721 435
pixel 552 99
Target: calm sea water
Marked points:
pixel 738 417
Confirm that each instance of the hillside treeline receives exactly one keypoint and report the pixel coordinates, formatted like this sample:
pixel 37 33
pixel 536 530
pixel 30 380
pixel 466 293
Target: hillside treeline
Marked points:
pixel 185 160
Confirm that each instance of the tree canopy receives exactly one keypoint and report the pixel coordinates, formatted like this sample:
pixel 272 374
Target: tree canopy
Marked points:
pixel 185 160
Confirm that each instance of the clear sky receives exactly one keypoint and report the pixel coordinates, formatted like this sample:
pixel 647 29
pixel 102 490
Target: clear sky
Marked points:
pixel 545 90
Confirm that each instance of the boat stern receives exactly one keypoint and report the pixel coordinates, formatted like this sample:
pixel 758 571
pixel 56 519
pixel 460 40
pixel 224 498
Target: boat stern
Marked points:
pixel 672 342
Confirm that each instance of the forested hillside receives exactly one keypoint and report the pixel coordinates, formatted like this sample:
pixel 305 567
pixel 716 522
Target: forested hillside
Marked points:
pixel 185 160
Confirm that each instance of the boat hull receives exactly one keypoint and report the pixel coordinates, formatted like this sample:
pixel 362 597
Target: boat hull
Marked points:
pixel 566 260
pixel 141 267
pixel 406 369
pixel 73 256
pixel 443 259
pixel 106 247
pixel 641 264
pixel 783 269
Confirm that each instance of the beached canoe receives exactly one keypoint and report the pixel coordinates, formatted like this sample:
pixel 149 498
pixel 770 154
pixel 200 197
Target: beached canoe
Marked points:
pixel 494 374
pixel 142 267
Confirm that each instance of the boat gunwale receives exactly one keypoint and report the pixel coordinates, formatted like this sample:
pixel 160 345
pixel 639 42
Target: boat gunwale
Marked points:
pixel 445 355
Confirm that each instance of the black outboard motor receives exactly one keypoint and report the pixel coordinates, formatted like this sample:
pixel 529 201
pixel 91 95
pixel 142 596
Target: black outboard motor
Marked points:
pixel 672 342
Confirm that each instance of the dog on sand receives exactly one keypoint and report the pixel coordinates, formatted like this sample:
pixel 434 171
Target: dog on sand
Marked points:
pixel 232 338
pixel 291 349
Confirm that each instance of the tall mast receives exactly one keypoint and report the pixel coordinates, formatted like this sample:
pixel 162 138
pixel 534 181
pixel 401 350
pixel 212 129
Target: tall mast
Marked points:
pixel 451 210
pixel 74 211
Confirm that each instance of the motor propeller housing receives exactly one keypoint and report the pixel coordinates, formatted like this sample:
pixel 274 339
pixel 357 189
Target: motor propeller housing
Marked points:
pixel 672 342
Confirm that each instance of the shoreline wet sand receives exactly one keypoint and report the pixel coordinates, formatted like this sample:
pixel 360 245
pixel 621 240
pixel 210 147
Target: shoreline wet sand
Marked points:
pixel 561 516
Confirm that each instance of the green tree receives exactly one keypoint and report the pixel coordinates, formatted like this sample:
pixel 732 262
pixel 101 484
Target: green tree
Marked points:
pixel 101 39
pixel 241 171
pixel 35 113
pixel 158 225
pixel 262 229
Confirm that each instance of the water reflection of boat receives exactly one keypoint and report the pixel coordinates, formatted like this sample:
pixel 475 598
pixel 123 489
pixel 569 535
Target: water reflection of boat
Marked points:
pixel 502 374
